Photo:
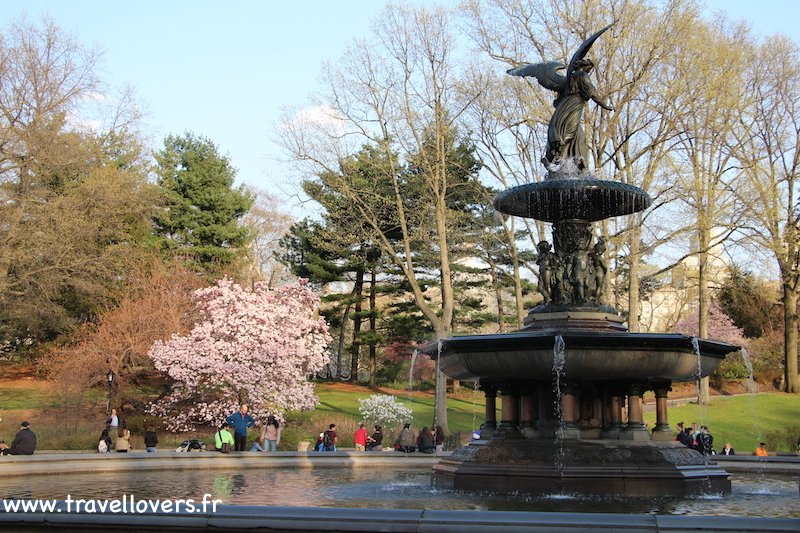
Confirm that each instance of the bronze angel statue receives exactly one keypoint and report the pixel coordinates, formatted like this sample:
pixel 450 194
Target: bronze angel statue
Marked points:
pixel 565 136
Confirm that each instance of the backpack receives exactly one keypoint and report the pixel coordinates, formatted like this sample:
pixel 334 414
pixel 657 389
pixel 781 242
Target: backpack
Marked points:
pixel 327 440
pixel 102 447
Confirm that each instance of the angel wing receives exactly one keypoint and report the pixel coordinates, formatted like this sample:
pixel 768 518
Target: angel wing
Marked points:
pixel 545 73
pixel 583 49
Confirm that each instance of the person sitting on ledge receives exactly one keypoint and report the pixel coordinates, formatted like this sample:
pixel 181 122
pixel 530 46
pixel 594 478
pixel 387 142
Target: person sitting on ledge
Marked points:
pixel 24 442
pixel 425 442
pixel 727 449
pixel 761 451
pixel 406 441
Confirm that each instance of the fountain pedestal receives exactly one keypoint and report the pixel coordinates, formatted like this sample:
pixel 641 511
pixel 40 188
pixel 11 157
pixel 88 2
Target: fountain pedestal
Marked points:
pixel 576 358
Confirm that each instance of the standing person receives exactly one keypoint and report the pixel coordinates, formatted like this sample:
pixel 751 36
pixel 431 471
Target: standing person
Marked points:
pixel 150 439
pixel 761 451
pixel 727 449
pixel 406 441
pixel 360 438
pixel 271 435
pixel 24 442
pixel 123 443
pixel 329 439
pixel 439 437
pixel 112 422
pixel 375 442
pixel 240 421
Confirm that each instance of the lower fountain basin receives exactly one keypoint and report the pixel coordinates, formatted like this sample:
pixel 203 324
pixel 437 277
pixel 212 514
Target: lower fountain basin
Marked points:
pixel 544 466
pixel 588 355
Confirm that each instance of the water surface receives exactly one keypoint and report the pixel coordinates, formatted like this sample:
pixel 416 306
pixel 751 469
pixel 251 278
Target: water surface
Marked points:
pixel 753 495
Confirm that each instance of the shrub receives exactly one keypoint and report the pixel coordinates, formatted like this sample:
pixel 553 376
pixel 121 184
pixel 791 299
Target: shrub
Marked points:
pixel 784 439
pixel 384 409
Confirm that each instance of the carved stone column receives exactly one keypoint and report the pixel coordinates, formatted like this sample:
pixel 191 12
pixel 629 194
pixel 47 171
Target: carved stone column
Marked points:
pixel 614 425
pixel 662 431
pixel 569 408
pixel 528 412
pixel 490 423
pixel 509 413
pixel 635 428
pixel 544 422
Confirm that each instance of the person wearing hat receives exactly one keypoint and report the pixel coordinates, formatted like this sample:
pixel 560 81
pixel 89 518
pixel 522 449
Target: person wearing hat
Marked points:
pixel 24 442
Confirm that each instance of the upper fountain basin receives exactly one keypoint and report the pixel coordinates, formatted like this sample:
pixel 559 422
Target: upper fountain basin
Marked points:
pixel 528 355
pixel 586 199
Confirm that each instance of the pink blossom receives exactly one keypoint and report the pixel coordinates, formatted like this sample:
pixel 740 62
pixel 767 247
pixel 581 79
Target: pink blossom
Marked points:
pixel 255 345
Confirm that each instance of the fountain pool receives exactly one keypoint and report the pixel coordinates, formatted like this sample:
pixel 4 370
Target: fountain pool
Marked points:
pixel 753 495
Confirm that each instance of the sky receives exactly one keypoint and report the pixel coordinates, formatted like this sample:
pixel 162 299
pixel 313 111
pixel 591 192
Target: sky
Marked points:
pixel 225 69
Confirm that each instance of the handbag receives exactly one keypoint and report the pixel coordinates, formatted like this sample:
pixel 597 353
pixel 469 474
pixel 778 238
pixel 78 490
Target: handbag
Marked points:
pixel 226 446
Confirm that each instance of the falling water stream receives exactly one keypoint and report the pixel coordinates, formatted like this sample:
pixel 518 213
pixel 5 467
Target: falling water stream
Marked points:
pixel 559 360
pixel 703 405
pixel 411 372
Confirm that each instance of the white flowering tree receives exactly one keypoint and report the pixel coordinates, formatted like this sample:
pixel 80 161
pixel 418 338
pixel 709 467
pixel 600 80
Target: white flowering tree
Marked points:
pixel 384 409
pixel 253 345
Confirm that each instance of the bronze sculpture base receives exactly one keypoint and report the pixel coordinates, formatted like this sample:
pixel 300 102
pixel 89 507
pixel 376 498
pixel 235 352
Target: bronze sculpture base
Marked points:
pixel 602 467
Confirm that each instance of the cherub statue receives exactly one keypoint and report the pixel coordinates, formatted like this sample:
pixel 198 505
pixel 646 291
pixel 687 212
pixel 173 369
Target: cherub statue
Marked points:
pixel 565 136
pixel 545 261
pixel 600 268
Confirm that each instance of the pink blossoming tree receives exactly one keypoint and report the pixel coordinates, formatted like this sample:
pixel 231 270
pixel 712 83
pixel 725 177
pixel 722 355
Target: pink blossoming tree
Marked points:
pixel 720 326
pixel 256 346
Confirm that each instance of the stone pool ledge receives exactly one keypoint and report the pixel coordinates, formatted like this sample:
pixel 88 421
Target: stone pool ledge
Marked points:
pixel 71 463
pixel 306 519
pixel 777 464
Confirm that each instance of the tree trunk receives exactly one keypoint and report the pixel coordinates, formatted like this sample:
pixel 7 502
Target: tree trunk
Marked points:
pixel 355 347
pixel 498 295
pixel 340 350
pixel 373 352
pixel 633 279
pixel 703 297
pixel 790 321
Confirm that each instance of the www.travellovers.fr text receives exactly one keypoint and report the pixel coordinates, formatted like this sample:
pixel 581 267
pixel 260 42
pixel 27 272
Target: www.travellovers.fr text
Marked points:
pixel 128 504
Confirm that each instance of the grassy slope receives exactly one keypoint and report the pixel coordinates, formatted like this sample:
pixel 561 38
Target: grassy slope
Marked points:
pixel 744 421
pixel 465 410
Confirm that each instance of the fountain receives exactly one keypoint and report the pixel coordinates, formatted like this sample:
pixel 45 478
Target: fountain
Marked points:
pixel 585 434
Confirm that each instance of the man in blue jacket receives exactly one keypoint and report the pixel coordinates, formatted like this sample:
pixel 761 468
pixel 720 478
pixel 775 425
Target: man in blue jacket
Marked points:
pixel 241 422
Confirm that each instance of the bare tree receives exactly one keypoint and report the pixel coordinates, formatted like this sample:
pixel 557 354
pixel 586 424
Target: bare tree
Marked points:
pixel 707 114
pixel 267 223
pixel 397 93
pixel 767 146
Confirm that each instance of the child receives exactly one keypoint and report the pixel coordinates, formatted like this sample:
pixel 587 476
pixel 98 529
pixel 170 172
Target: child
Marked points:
pixel 104 445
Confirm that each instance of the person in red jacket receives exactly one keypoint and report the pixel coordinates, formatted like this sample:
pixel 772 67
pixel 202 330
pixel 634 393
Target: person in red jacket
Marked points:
pixel 360 438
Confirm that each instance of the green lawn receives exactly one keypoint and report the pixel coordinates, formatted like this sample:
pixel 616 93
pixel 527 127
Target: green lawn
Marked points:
pixel 465 412
pixel 21 398
pixel 744 421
